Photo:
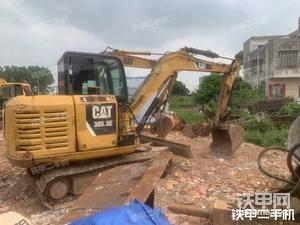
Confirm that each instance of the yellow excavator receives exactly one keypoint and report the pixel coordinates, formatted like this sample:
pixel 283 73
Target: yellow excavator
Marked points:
pixel 92 117
pixel 9 90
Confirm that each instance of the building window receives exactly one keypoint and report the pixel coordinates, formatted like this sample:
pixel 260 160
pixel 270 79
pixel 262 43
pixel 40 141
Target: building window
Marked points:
pixel 277 90
pixel 263 86
pixel 261 63
pixel 288 58
pixel 254 65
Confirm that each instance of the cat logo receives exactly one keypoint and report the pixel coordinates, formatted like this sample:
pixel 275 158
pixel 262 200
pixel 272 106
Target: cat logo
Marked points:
pixel 102 112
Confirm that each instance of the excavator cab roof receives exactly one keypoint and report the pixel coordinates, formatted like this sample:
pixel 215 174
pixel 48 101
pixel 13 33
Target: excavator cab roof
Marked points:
pixel 8 90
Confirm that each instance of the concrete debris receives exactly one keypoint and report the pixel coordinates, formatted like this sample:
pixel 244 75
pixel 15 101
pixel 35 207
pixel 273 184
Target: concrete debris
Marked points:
pixel 206 178
pixel 201 129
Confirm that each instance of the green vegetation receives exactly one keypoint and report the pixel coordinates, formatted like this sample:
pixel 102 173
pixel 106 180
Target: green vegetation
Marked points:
pixel 191 117
pixel 184 109
pixel 181 102
pixel 260 129
pixel 209 90
pixel 290 110
pixel 244 96
pixel 239 56
pixel 273 137
pixel 36 76
pixel 180 89
pixel 263 132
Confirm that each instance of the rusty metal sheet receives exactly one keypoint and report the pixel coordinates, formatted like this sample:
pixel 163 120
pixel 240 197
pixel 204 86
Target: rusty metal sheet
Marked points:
pixel 118 185
pixel 183 150
pixel 110 188
pixel 150 178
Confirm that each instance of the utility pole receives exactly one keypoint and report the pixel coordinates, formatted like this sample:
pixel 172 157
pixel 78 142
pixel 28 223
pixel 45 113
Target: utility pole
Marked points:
pixel 38 84
pixel 257 66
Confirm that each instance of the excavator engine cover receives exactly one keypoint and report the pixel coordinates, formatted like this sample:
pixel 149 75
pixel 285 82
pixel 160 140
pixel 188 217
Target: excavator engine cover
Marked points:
pixel 226 140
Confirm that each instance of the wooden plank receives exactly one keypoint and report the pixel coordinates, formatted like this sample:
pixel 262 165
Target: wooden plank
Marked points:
pixel 150 178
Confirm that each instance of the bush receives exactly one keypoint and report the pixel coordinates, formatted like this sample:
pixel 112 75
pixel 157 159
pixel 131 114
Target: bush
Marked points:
pixel 191 117
pixel 266 139
pixel 262 132
pixel 210 110
pixel 180 89
pixel 181 102
pixel 243 96
pixel 258 124
pixel 290 110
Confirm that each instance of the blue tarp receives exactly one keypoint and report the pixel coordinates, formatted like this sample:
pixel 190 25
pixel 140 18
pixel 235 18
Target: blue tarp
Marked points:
pixel 135 213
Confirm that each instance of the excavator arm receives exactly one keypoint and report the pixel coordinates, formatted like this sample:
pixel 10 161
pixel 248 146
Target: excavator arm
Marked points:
pixel 158 85
pixel 129 58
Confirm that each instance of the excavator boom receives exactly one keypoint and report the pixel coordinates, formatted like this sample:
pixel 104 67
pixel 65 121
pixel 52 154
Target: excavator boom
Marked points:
pixel 158 85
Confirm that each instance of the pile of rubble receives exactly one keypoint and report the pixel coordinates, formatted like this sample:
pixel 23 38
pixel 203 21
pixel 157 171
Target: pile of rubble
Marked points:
pixel 202 180
pixel 198 181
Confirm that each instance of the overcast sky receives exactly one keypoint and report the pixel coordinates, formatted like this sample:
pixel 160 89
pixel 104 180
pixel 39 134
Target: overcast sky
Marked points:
pixel 38 32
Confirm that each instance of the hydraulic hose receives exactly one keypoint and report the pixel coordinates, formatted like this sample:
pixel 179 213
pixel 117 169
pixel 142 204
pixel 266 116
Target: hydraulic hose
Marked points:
pixel 294 185
pixel 261 169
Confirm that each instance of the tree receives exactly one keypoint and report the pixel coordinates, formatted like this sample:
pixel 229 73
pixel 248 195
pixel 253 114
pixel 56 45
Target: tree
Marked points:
pixel 243 96
pixel 38 77
pixel 239 56
pixel 180 89
pixel 209 89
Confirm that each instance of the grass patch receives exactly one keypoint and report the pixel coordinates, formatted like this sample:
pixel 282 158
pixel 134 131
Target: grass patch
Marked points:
pixel 190 117
pixel 266 139
pixel 184 109
pixel 262 132
pixel 181 102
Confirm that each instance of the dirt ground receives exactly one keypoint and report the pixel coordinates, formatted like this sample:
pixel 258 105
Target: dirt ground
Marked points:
pixel 190 181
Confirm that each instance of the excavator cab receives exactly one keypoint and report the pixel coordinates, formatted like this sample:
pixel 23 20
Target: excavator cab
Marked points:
pixel 10 90
pixel 91 74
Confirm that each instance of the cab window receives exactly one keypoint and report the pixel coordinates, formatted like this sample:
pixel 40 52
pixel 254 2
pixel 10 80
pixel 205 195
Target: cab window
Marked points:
pixel 102 77
pixel 18 90
pixel 6 92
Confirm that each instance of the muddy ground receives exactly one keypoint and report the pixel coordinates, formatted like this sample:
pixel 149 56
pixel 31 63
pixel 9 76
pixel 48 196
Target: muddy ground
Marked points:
pixel 190 181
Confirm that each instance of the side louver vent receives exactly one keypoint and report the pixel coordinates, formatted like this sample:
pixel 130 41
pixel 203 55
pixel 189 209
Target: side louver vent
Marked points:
pixel 42 130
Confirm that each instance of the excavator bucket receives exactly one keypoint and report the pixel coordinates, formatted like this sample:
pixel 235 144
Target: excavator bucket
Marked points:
pixel 226 140
pixel 163 125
